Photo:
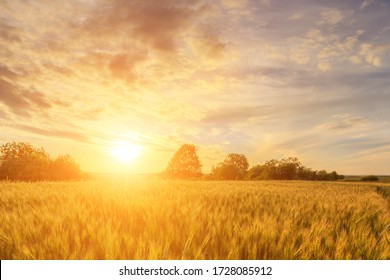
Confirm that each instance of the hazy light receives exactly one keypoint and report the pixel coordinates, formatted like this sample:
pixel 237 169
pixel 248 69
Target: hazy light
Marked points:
pixel 126 152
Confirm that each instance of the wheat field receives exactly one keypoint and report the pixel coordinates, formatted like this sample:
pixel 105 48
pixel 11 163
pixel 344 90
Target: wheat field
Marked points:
pixel 155 219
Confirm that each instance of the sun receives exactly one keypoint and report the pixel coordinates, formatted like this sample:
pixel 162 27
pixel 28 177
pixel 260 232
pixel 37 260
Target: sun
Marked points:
pixel 125 151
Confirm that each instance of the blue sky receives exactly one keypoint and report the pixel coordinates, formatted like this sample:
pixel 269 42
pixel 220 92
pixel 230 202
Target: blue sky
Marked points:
pixel 269 79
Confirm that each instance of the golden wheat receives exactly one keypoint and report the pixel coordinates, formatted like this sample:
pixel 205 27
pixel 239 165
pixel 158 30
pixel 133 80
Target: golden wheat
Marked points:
pixel 155 219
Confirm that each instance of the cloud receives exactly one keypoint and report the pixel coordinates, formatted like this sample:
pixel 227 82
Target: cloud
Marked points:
pixel 157 25
pixel 58 69
pixel 343 122
pixel 8 33
pixel 236 114
pixel 234 4
pixel 208 46
pixel 343 138
pixel 236 8
pixel 331 17
pixel 7 73
pixel 21 101
pixel 371 54
pixel 80 137
pixel 296 16
pixel 124 65
pixel 14 101
pixel 366 3
pixel 324 49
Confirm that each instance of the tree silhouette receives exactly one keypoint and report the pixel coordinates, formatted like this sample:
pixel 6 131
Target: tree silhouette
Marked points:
pixel 184 164
pixel 64 167
pixel 239 161
pixel 257 172
pixel 234 167
pixel 289 169
pixel 20 161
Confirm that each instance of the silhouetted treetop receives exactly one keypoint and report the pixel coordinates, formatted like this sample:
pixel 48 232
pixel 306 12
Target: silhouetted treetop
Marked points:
pixel 289 169
pixel 184 164
pixel 234 167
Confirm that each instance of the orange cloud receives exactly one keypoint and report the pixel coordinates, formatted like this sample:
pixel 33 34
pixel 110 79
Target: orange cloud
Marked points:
pixel 123 65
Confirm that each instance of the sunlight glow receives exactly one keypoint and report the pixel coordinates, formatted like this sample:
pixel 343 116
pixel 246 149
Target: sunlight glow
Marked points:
pixel 126 152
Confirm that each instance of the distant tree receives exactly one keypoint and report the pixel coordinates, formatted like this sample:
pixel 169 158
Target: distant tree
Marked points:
pixel 184 164
pixel 304 173
pixel 234 167
pixel 322 175
pixel 289 169
pixel 271 171
pixel 64 167
pixel 285 169
pixel 240 162
pixel 333 176
pixel 257 172
pixel 20 161
pixel 340 177
pixel 225 172
pixel 370 178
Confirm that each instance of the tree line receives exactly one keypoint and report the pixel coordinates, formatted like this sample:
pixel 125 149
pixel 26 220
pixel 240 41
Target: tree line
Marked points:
pixel 20 161
pixel 185 164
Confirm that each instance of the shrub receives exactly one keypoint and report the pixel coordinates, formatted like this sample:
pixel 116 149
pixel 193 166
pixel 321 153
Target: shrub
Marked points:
pixel 370 178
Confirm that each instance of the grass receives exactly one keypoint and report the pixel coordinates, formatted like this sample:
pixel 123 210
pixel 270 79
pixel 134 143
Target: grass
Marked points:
pixel 152 219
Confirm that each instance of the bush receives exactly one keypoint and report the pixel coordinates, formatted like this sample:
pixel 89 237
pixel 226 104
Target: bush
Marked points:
pixel 370 178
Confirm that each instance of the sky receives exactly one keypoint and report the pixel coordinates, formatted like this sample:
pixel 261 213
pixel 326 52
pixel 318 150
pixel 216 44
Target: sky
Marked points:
pixel 268 79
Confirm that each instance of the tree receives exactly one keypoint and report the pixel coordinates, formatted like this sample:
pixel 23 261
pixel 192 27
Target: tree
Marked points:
pixel 234 167
pixel 184 164
pixel 285 169
pixel 21 161
pixel 289 169
pixel 64 167
pixel 257 172
pixel 238 160
pixel 225 172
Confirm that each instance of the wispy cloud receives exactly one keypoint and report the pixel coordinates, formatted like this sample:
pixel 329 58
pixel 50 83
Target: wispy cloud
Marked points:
pixel 366 3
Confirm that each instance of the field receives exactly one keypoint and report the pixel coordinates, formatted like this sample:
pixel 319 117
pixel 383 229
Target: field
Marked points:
pixel 152 219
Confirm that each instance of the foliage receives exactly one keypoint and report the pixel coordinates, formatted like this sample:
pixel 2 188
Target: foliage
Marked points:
pixel 257 172
pixel 340 177
pixel 185 164
pixel 370 178
pixel 160 220
pixel 64 167
pixel 289 169
pixel 21 161
pixel 234 167
pixel 225 172
pixel 285 169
